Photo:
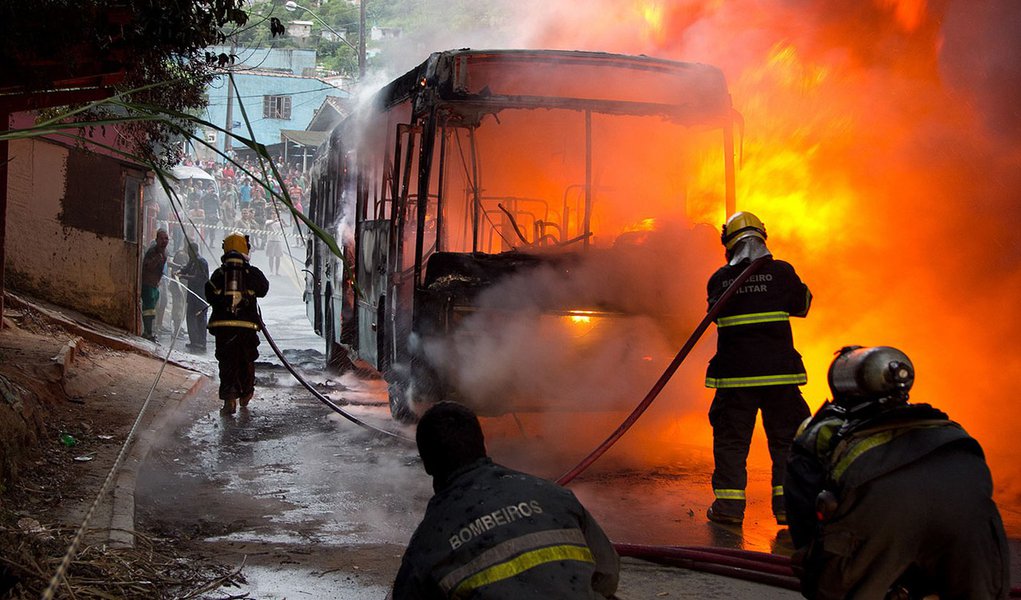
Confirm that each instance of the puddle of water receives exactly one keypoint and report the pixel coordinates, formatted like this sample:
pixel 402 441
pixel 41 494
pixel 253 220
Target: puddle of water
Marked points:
pixel 268 583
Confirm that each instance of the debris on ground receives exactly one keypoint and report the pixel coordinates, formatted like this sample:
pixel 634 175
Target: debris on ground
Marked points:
pixel 151 569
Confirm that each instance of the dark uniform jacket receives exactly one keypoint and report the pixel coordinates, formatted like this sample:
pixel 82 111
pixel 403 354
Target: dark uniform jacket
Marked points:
pixel 909 493
pixel 492 532
pixel 195 273
pixel 831 453
pixel 755 345
pixel 247 316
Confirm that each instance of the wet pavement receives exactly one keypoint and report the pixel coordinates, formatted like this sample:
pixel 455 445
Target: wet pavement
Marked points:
pixel 313 506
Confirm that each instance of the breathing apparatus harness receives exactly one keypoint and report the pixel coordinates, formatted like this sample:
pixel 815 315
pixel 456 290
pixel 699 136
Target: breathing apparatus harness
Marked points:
pixel 870 389
pixel 234 280
pixel 235 253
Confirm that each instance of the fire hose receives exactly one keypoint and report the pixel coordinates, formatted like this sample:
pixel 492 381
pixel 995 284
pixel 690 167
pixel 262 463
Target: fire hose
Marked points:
pixel 748 565
pixel 757 567
pixel 667 374
pixel 318 395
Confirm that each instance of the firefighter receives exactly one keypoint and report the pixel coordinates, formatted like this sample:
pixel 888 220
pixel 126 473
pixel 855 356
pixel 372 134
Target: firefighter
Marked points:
pixel 231 291
pixel 755 367
pixel 195 274
pixel 890 499
pixel 153 263
pixel 491 532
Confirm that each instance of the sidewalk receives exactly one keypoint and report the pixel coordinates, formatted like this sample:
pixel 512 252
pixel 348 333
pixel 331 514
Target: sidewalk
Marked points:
pixel 89 381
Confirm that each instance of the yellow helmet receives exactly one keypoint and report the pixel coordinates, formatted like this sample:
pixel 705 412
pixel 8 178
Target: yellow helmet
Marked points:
pixel 236 242
pixel 739 226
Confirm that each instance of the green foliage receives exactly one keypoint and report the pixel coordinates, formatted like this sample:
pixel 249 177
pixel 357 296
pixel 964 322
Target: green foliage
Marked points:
pixel 256 33
pixel 148 41
pixel 125 112
pixel 341 16
pixel 417 15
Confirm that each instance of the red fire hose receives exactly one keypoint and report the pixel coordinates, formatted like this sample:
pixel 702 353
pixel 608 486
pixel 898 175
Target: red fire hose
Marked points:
pixel 748 565
pixel 757 567
pixel 667 374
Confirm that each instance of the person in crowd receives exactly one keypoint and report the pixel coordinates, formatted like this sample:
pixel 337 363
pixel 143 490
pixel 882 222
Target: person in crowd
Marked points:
pixel 195 274
pixel 244 193
pixel 232 292
pixel 163 301
pixel 274 249
pixel 211 206
pixel 890 499
pixel 298 229
pixel 197 216
pixel 177 288
pixel 249 226
pixel 228 210
pixel 260 215
pixel 153 262
pixel 755 367
pixel 493 532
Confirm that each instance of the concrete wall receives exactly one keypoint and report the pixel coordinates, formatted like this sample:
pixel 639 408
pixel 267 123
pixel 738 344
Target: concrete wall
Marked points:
pixel 262 72
pixel 68 239
pixel 307 95
pixel 293 60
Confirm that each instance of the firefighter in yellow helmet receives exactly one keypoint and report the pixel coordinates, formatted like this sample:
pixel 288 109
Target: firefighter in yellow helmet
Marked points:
pixel 755 367
pixel 231 291
pixel 888 498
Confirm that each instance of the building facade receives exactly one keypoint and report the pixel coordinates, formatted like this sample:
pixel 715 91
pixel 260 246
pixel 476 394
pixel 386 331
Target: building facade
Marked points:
pixel 276 89
pixel 74 229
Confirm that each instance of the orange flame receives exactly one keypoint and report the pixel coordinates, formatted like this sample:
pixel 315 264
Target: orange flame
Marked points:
pixel 908 13
pixel 875 178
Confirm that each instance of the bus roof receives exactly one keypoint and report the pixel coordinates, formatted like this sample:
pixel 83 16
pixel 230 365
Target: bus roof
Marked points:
pixel 484 81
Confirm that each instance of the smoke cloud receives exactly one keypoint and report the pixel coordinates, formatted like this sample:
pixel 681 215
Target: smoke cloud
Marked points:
pixel 880 147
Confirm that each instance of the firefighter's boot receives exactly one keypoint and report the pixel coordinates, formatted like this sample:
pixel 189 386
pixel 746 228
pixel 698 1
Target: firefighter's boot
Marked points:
pixel 779 509
pixel 727 512
pixel 229 406
pixel 244 400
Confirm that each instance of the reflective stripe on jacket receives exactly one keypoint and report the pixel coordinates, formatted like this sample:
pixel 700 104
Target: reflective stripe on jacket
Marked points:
pixel 755 346
pixel 247 314
pixel 492 532
pixel 831 454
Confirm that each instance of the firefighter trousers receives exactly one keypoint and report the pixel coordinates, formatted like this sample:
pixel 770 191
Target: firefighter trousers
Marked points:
pixel 236 351
pixel 732 416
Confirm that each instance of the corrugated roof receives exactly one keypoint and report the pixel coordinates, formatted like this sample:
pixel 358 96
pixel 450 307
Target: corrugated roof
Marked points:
pixel 302 137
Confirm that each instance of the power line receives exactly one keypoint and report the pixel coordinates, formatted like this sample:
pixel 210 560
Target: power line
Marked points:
pixel 280 94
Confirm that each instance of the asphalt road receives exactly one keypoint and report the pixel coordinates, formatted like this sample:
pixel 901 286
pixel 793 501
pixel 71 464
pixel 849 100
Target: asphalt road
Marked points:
pixel 314 506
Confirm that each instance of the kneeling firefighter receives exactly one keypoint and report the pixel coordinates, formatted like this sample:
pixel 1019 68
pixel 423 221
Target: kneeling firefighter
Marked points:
pixel 231 291
pixel 889 499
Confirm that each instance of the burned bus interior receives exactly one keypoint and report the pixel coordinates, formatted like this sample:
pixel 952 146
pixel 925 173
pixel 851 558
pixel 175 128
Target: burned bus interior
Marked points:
pixel 481 182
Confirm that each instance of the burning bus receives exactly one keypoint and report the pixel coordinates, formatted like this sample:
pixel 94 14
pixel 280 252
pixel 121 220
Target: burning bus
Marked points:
pixel 501 215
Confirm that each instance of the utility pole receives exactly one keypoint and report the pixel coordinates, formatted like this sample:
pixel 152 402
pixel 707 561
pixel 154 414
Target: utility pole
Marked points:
pixel 230 116
pixel 361 40
pixel 230 102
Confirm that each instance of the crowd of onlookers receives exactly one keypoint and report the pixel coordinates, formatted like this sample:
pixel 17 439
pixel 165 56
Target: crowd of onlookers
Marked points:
pixel 233 200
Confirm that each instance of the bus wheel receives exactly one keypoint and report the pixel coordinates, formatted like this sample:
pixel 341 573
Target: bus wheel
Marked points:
pixel 400 403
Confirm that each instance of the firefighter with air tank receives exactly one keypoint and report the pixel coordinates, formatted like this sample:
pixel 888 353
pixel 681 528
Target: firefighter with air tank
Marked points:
pixel 235 322
pixel 755 367
pixel 890 499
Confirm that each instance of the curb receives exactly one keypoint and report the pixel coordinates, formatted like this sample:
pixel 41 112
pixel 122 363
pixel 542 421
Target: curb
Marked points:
pixel 122 502
pixel 115 339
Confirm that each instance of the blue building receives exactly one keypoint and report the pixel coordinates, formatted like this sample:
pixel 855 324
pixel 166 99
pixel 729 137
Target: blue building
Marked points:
pixel 278 89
